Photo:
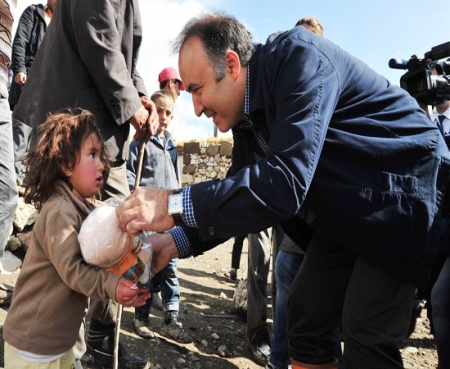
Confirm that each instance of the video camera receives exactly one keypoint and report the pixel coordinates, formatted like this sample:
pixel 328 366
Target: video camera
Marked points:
pixel 425 87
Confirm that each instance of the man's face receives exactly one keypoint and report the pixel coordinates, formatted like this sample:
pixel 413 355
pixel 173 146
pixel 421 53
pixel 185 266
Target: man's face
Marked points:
pixel 222 101
pixel 174 88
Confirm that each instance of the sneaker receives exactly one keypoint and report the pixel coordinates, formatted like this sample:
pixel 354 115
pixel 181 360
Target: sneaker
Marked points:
pixel 260 347
pixel 175 331
pixel 157 302
pixel 142 328
pixel 232 274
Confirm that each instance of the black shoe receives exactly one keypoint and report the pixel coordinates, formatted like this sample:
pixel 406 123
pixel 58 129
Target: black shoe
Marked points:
pixel 260 347
pixel 102 354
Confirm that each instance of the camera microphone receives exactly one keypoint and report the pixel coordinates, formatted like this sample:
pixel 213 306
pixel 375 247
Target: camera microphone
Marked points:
pixel 397 63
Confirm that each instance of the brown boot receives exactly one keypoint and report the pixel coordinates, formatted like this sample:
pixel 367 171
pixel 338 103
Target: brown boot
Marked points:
pixel 299 365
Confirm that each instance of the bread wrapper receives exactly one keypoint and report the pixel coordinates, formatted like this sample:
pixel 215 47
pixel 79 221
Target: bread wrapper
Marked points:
pixel 102 241
pixel 104 244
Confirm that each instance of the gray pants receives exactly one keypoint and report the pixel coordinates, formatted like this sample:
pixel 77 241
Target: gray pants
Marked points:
pixel 259 245
pixel 21 133
pixel 8 187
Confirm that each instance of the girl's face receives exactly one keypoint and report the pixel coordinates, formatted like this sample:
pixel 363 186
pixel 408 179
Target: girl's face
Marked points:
pixel 86 177
pixel 164 108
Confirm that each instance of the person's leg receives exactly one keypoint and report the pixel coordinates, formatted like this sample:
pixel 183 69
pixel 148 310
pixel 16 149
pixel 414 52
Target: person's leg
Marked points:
pixel 142 316
pixel 317 298
pixel 376 315
pixel 259 246
pixel 21 133
pixel 237 251
pixel 8 186
pixel 440 296
pixel 286 268
pixel 156 299
pixel 170 289
pixel 235 257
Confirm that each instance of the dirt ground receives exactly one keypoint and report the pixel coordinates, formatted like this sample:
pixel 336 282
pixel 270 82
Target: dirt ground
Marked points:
pixel 208 315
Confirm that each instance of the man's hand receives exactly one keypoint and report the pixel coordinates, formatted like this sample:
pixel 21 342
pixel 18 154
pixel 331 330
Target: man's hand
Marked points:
pixel 139 121
pixel 164 250
pixel 145 210
pixel 129 294
pixel 20 78
pixel 153 119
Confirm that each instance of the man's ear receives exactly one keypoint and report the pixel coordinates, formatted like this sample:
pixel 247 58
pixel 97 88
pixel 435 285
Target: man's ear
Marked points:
pixel 233 64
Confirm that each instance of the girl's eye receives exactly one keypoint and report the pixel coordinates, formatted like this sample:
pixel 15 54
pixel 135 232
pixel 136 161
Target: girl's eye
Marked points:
pixel 92 154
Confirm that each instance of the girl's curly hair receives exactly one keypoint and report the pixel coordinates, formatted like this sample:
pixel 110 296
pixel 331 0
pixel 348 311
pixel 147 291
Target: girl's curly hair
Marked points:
pixel 60 141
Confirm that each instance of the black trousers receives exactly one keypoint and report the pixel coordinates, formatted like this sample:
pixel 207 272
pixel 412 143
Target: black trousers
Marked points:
pixel 237 251
pixel 336 287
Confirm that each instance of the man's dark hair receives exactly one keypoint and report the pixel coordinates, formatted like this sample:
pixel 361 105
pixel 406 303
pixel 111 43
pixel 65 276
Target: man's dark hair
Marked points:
pixel 218 33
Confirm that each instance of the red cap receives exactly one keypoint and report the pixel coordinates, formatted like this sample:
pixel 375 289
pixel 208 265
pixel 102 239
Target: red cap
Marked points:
pixel 168 73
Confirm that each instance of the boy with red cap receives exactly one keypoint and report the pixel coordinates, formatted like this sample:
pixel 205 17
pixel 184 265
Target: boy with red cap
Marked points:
pixel 169 79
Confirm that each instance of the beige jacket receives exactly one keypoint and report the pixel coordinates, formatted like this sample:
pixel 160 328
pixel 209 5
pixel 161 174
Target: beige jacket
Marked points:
pixel 50 294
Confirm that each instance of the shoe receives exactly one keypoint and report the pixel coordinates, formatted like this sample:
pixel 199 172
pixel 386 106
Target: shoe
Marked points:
pixel 260 347
pixel 102 354
pixel 6 293
pixel 156 301
pixel 232 274
pixel 142 328
pixel 173 329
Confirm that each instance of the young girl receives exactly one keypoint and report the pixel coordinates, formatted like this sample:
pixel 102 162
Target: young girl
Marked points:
pixel 64 173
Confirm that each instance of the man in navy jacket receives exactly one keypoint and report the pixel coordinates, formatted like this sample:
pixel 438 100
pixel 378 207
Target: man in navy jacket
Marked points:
pixel 335 139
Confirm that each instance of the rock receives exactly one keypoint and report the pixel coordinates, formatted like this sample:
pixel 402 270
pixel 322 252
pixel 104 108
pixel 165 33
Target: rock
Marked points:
pixel 222 350
pixel 10 263
pixel 13 243
pixel 215 336
pixel 26 214
pixel 223 296
pixel 25 239
pixel 411 350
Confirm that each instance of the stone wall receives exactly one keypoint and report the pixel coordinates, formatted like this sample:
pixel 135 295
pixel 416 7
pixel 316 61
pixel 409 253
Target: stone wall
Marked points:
pixel 205 161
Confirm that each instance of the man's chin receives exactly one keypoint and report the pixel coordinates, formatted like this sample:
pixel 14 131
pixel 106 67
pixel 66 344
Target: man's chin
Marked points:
pixel 225 127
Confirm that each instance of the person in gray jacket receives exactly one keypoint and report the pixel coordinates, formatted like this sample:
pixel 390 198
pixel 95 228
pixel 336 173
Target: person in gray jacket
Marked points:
pixel 88 60
pixel 29 34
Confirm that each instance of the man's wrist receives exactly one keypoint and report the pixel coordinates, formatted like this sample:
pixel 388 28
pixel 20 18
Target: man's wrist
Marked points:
pixel 181 242
pixel 175 206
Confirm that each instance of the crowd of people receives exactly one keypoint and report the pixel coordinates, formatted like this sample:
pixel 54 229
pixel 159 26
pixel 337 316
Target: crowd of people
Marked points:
pixel 336 173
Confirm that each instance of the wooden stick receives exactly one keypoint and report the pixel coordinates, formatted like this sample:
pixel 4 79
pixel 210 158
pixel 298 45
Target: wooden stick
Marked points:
pixel 120 307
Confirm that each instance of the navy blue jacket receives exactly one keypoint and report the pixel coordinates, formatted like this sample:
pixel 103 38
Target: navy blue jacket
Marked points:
pixel 343 141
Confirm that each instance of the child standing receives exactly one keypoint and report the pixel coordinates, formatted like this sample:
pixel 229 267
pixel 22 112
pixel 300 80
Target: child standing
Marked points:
pixel 159 170
pixel 64 173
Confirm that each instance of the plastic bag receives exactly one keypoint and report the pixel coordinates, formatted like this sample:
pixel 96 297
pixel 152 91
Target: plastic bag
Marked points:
pixel 102 241
pixel 104 244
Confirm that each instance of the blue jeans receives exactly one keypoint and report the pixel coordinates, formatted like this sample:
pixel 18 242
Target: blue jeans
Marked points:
pixel 440 299
pixel 170 288
pixel 286 268
pixel 8 187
